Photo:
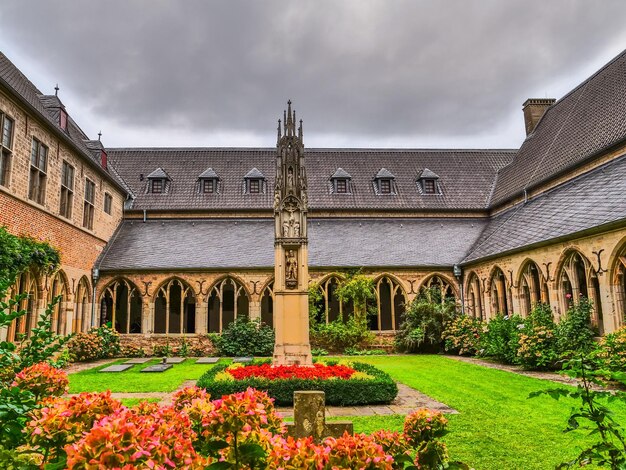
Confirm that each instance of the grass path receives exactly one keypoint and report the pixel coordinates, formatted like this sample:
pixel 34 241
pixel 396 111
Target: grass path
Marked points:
pixel 497 427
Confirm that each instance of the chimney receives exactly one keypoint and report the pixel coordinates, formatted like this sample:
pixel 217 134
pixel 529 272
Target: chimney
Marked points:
pixel 534 109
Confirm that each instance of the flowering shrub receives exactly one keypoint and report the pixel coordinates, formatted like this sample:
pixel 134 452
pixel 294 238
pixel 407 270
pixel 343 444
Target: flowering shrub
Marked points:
pixel 127 439
pixel 132 351
pixel 357 451
pixel 365 385
pixel 60 422
pixel 424 425
pixel 574 332
pixel 268 371
pixel 42 380
pixel 537 348
pixel 183 398
pixel 294 454
pixel 393 443
pixel 463 335
pixel 85 347
pixel 432 455
pixel 613 350
pixel 501 340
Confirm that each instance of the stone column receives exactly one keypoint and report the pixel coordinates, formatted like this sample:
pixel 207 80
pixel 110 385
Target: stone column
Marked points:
pixel 202 308
pixel 255 308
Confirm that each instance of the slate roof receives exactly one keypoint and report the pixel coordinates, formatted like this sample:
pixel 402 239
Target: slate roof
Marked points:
pixel 428 174
pixel 209 173
pixel 588 120
pixel 159 173
pixel 384 173
pixel 235 243
pixel 340 173
pixel 591 200
pixel 47 107
pixel 466 177
pixel 254 173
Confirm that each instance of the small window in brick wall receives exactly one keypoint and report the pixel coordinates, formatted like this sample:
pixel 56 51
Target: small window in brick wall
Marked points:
pixel 108 203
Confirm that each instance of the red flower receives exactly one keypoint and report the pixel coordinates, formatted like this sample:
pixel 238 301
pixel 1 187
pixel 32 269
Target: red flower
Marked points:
pixel 317 371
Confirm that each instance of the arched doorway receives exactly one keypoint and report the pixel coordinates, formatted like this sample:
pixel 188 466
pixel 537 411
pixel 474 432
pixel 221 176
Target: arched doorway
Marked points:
pixel 267 304
pixel 474 298
pixel 58 287
pixel 391 304
pixel 499 292
pixel 82 312
pixel 26 285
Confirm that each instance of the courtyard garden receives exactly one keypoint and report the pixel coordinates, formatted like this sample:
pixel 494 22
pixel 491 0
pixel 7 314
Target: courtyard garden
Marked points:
pixel 59 408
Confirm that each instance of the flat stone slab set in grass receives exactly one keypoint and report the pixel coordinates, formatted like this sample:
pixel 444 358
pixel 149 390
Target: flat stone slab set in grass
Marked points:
pixel 208 360
pixel 117 368
pixel 138 360
pixel 157 368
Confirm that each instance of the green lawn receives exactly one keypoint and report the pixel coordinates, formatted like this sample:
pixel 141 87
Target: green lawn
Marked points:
pixel 133 380
pixel 129 402
pixel 497 427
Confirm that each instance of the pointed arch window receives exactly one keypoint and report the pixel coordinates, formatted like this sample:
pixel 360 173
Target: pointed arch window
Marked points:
pixel 228 300
pixel 26 286
pixel 499 293
pixel 390 303
pixel 175 308
pixel 578 279
pixel 532 287
pixel 58 287
pixel 474 296
pixel 619 285
pixel 82 313
pixel 121 307
pixel 267 305
pixel 329 308
pixel 437 289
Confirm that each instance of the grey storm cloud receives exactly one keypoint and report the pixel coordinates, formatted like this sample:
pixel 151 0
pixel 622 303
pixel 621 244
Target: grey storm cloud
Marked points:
pixel 368 68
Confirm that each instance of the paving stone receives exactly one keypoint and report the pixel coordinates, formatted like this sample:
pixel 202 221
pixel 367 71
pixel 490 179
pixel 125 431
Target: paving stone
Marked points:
pixel 174 360
pixel 383 411
pixel 157 368
pixel 243 359
pixel 207 360
pixel 117 368
pixel 138 360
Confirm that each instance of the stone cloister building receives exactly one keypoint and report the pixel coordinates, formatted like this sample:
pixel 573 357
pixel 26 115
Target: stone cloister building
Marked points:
pixel 168 241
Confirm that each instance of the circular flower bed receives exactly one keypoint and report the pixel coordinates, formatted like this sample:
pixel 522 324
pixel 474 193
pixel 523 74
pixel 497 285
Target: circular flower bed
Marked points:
pixel 344 383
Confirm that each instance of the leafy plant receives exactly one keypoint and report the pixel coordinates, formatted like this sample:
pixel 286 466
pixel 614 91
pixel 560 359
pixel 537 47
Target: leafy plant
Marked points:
pixel 537 345
pixel 358 289
pixel 610 448
pixel 501 341
pixel 574 332
pixel 338 335
pixel 464 335
pixel 613 350
pixel 424 323
pixel 245 337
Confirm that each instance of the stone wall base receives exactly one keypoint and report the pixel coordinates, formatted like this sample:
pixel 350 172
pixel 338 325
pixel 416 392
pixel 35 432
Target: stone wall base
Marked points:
pixel 197 345
pixel 384 340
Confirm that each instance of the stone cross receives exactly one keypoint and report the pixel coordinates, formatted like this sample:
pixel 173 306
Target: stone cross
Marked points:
pixel 309 416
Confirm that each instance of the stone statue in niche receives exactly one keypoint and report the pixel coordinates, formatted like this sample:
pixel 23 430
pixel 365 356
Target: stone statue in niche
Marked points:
pixel 296 229
pixel 290 182
pixel 276 201
pixel 291 270
pixel 285 228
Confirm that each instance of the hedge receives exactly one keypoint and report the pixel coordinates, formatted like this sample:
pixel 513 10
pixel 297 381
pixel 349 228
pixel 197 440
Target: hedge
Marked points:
pixel 381 389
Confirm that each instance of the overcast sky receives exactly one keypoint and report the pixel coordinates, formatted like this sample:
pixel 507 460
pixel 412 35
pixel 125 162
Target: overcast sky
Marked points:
pixel 360 73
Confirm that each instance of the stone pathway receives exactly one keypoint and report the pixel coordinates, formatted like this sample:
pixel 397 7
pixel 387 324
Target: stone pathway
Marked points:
pixel 408 400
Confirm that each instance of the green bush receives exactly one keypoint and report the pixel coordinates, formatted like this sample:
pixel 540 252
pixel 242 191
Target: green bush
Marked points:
pixel 612 351
pixel 537 346
pixel 574 332
pixel 85 347
pixel 501 341
pixel 339 392
pixel 338 335
pixel 245 337
pixel 464 335
pixel 364 352
pixel 424 323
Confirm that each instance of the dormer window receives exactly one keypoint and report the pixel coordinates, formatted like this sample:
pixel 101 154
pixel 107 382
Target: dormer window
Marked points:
pixel 208 181
pixel 255 186
pixel 158 181
pixel 63 119
pixel 254 182
pixel 340 182
pixel 157 186
pixel 428 182
pixel 384 182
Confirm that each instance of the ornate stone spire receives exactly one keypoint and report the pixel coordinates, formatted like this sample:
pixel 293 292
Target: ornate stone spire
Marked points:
pixel 291 273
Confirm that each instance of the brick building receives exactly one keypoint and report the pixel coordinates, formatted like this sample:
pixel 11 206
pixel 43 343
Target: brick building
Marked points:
pixel 188 243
